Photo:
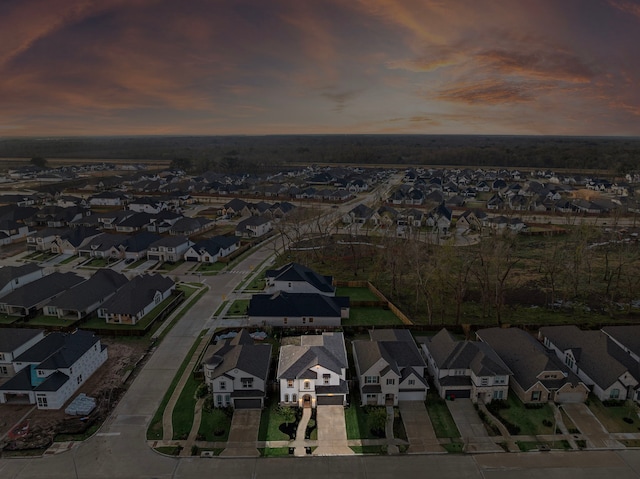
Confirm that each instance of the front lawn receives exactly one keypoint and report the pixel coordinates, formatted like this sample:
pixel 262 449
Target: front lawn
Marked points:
pixel 51 321
pixel 371 317
pixel 443 423
pixel 215 425
pixel 357 421
pixel 184 410
pixel 531 420
pixel 613 417
pixel 167 266
pixel 238 307
pixel 211 267
pixel 270 422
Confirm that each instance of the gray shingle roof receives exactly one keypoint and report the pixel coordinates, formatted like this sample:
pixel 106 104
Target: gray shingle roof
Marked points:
pixel 241 353
pixel 136 294
pixel 297 272
pixel 283 304
pixel 12 338
pixel 525 356
pixel 9 273
pixel 628 336
pixel 103 283
pixel 595 352
pixel 59 350
pixel 41 289
pixel 326 350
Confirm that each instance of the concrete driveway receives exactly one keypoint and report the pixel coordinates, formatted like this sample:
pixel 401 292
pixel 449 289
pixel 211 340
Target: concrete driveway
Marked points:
pixel 470 426
pixel 332 432
pixel 596 435
pixel 417 424
pixel 244 433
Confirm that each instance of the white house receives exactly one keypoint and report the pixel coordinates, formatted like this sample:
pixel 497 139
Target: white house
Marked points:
pixel 312 371
pixel 390 368
pixel 296 278
pixel 14 342
pixel 52 370
pixel 236 371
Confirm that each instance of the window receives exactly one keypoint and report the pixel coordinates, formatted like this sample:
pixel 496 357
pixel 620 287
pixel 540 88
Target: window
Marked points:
pixel 311 320
pixel 227 400
pixel 294 398
pixel 326 378
pixel 535 396
pixel 568 361
pixel 459 372
pixel 391 381
pixel 223 385
pixel 497 394
pixel 304 320
pixel 79 379
pixel 412 382
pixel 3 370
pixel 289 383
pixel 219 400
pixel 247 383
pixel 500 380
pixel 42 400
pixel 614 394
pixel 484 381
pixel 285 320
pixel 371 379
pixel 307 385
pixel 286 398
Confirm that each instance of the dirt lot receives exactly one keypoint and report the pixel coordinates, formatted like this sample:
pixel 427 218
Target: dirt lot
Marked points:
pixel 106 385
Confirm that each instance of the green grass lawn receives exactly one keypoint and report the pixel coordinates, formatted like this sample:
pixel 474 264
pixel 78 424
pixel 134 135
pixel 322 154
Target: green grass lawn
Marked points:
pixel 612 417
pixel 169 266
pixel 155 429
pixel 213 421
pixel 454 447
pixel 378 450
pixel 184 410
pixel 270 421
pixel 529 420
pixel 371 317
pixel 357 421
pixel 238 307
pixel 357 294
pixel 70 259
pixel 135 264
pixel 211 267
pixel 443 423
pixel 257 284
pixel 6 319
pixel 51 321
pixel 100 262
pixel 274 451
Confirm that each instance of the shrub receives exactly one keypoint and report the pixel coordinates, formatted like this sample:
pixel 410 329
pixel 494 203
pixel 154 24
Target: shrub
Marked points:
pixel 612 402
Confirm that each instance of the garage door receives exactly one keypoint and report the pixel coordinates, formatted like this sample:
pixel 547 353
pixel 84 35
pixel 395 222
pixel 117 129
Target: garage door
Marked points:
pixel 569 397
pixel 247 404
pixel 411 396
pixel 459 393
pixel 191 258
pixel 330 401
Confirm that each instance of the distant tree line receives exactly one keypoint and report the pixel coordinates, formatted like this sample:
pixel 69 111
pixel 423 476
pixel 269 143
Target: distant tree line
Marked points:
pixel 231 153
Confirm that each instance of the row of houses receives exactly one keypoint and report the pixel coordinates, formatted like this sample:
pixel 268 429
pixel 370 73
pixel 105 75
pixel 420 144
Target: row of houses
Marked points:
pixel 564 365
pixel 312 370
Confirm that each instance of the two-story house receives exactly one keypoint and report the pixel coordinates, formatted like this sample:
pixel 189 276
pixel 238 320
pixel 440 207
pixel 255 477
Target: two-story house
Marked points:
pixel 211 250
pixel 538 375
pixel 236 371
pixel 13 342
pixel 466 369
pixel 296 278
pixel 297 309
pixel 312 371
pixel 169 249
pixel 253 227
pixel 52 370
pixel 390 368
pixel 605 367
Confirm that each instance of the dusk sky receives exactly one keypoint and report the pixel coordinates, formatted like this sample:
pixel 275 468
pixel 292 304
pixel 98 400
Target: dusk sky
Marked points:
pixel 129 67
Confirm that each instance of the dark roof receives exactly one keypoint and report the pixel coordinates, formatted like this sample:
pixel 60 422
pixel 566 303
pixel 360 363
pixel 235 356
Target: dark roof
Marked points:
pixel 239 352
pixel 170 241
pixel 628 336
pixel 525 356
pixel 296 272
pixel 326 350
pixel 105 241
pixel 283 304
pixel 53 382
pixel 59 350
pixel 13 338
pixel 41 289
pixel 137 293
pixel 102 284
pixel 449 353
pixel 215 244
pixel 596 353
pixel 9 273
pixel 140 242
pixel 186 225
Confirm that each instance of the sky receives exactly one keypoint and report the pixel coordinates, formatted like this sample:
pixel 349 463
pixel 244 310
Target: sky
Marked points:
pixel 213 67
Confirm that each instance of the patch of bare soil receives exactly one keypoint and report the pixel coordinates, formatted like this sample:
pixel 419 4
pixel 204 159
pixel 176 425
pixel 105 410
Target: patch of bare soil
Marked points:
pixel 106 385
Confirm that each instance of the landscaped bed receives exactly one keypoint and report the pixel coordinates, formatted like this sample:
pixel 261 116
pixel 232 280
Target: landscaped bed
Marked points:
pixel 530 420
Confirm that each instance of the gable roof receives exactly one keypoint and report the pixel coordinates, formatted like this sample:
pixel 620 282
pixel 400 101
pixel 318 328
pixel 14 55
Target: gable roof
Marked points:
pixel 326 350
pixel 103 283
pixel 395 346
pixel 215 244
pixel 137 293
pixel 449 353
pixel 9 273
pixel 282 304
pixel 526 357
pixel 294 272
pixel 41 289
pixel 12 338
pixel 628 336
pixel 59 350
pixel 239 353
pixel 596 353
